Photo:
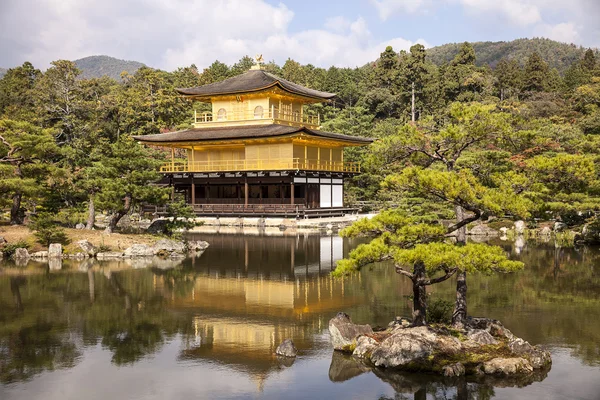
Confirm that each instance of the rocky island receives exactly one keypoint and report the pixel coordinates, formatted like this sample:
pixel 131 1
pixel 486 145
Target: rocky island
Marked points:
pixel 482 347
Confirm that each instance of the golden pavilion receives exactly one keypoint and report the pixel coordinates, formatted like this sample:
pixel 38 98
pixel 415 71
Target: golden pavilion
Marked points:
pixel 258 151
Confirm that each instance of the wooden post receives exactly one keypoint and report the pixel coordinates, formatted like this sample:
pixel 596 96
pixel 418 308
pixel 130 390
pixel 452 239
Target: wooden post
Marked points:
pixel 193 160
pixel 193 190
pixel 246 191
pixel 172 158
pixel 292 191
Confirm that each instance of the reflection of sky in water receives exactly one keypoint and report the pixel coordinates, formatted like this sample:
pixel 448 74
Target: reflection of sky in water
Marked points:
pixel 223 314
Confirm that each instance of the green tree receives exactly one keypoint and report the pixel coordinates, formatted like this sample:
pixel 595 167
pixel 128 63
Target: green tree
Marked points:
pixel 17 95
pixel 536 74
pixel 437 176
pixel 128 171
pixel 25 155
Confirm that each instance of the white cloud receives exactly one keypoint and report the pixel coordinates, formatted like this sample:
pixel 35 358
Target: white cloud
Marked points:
pixel 174 33
pixel 387 8
pixel 520 12
pixel 563 32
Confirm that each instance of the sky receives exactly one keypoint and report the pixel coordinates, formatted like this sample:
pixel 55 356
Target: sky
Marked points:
pixel 168 34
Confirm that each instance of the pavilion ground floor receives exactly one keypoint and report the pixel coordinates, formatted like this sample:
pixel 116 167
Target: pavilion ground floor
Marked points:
pixel 270 193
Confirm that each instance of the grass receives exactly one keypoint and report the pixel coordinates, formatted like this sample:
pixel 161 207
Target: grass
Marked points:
pixel 114 241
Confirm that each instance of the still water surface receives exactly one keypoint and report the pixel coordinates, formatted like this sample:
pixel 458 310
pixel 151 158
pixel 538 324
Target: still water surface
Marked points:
pixel 207 328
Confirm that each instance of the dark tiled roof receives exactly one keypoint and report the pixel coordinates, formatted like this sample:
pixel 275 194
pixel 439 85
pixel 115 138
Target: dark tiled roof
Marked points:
pixel 252 81
pixel 243 132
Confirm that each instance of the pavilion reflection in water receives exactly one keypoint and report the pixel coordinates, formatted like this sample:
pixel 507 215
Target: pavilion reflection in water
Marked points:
pixel 249 294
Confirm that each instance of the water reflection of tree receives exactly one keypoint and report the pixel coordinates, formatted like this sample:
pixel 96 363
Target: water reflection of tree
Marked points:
pixel 37 325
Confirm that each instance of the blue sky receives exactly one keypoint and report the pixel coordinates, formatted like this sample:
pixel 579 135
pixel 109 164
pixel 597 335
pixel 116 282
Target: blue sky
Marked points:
pixel 172 33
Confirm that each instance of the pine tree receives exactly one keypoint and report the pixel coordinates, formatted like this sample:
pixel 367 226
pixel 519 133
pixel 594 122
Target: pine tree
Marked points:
pixel 536 74
pixel 25 155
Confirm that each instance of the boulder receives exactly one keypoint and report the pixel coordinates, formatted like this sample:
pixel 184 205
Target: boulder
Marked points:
pixel 545 231
pixel 344 333
pixel 507 366
pixel 453 370
pixel 286 349
pixel 55 250
pixel 139 250
pixel 482 230
pixel 109 255
pixel 2 240
pixel 87 247
pixel 197 245
pixel 364 346
pixel 400 322
pixel 80 226
pixel 21 254
pixel 168 246
pixel 537 357
pixel 481 337
pixel 559 226
pixel 520 227
pixel 158 226
pixel 124 222
pixel 590 234
pixel 410 345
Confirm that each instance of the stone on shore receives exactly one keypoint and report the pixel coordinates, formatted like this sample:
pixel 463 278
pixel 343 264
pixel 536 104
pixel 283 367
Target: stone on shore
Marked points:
pixel 482 230
pixel 55 250
pixel 453 370
pixel 520 227
pixel 344 333
pixel 80 226
pixel 87 247
pixel 287 349
pixel 169 247
pixel 139 250
pixel 21 254
pixel 40 254
pixel 109 255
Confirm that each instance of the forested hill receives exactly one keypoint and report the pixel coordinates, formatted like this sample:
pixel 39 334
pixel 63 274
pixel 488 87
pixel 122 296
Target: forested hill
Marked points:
pixel 97 66
pixel 558 55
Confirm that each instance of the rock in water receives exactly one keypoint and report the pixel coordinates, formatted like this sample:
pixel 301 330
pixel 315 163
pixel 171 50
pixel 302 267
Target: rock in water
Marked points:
pixel 520 227
pixel 21 254
pixel 286 349
pixel 482 230
pixel 507 366
pixel 197 245
pixel 344 333
pixel 87 247
pixel 55 250
pixel 453 370
pixel 168 246
pixel 139 250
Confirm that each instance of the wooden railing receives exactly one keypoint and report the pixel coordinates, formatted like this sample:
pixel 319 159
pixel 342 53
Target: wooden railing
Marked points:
pixel 260 165
pixel 272 114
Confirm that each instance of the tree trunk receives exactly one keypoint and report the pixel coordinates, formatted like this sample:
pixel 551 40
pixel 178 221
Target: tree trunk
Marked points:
pixel 16 218
pixel 91 213
pixel 459 316
pixel 419 296
pixel 116 217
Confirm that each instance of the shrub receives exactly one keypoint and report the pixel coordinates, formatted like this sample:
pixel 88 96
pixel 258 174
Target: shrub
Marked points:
pixel 439 311
pixel 180 216
pixel 46 230
pixel 9 249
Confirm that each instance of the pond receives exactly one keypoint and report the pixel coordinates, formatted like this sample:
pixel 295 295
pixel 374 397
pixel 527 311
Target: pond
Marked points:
pixel 207 328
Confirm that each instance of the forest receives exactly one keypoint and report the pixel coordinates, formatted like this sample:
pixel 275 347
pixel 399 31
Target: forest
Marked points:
pixel 521 131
